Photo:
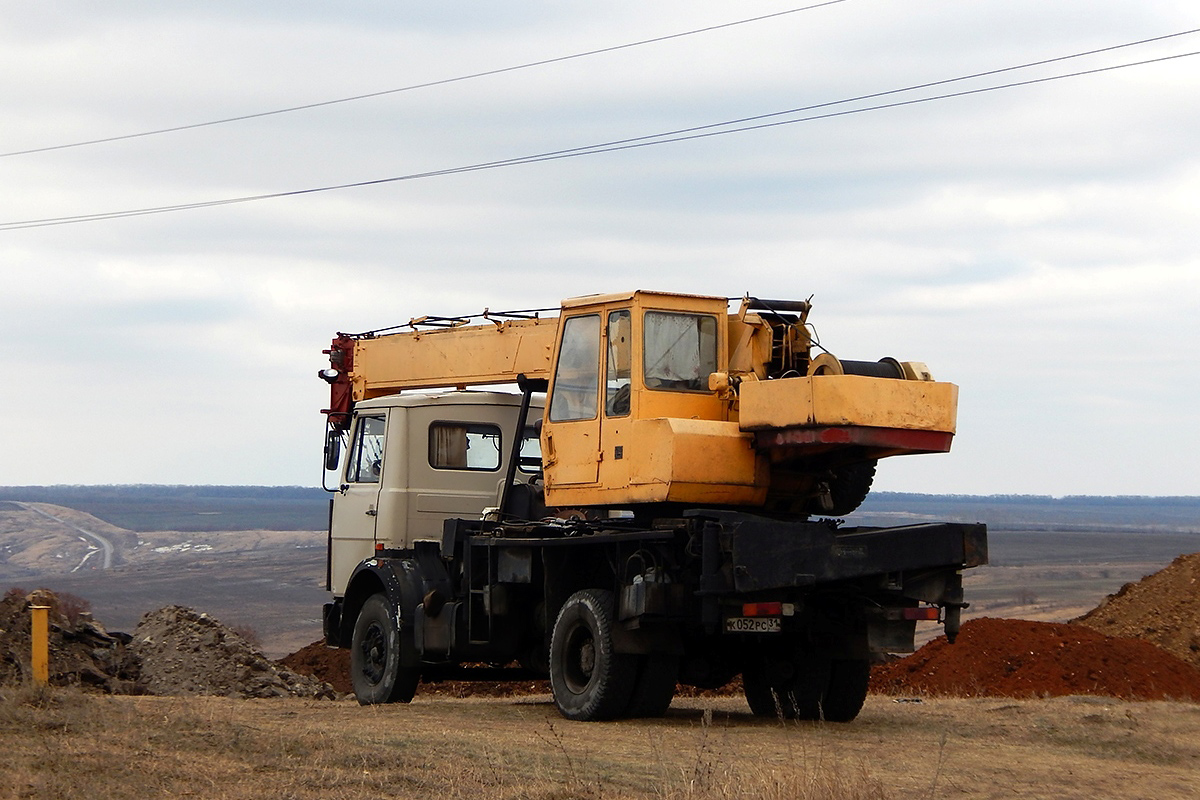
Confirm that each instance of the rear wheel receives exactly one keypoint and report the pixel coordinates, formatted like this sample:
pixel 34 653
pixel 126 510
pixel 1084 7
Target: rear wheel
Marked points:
pixel 788 687
pixel 806 686
pixel 654 688
pixel 847 689
pixel 589 679
pixel 375 656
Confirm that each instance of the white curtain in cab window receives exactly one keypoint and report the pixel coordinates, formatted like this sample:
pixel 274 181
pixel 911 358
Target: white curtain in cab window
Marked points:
pixel 449 446
pixel 676 356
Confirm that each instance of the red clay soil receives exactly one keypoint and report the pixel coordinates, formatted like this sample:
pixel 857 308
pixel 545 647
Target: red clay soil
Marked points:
pixel 1019 658
pixel 324 663
pixel 333 667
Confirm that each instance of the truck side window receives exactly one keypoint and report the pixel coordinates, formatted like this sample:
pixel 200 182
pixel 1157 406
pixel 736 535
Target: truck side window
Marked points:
pixel 461 445
pixel 681 350
pixel 620 351
pixel 577 374
pixel 366 457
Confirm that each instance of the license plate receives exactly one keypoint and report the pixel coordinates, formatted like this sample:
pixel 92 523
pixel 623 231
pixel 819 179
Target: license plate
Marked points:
pixel 753 625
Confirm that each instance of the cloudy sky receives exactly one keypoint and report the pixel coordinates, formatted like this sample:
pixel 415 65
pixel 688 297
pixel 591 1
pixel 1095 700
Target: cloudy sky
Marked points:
pixel 1036 245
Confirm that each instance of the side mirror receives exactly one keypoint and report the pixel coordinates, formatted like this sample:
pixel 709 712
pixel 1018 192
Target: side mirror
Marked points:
pixel 333 450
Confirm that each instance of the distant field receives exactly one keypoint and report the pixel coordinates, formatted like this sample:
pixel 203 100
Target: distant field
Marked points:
pixel 292 508
pixel 188 508
pixel 1032 512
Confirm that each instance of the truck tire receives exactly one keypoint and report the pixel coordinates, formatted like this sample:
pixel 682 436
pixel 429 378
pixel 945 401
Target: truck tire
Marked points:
pixel 375 656
pixel 786 687
pixel 848 486
pixel 589 679
pixel 807 687
pixel 654 687
pixel 847 689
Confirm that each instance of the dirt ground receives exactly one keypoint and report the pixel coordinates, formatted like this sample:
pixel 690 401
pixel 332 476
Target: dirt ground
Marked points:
pixel 1074 748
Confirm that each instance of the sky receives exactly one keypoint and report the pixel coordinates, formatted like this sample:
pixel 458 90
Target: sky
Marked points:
pixel 1036 245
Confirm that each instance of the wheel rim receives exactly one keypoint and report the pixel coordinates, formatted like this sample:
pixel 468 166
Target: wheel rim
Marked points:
pixel 580 662
pixel 374 653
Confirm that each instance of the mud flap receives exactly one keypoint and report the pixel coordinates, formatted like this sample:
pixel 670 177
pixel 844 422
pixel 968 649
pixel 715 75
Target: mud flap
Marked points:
pixel 891 636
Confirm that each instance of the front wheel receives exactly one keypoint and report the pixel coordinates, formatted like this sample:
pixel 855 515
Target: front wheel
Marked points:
pixel 589 679
pixel 375 656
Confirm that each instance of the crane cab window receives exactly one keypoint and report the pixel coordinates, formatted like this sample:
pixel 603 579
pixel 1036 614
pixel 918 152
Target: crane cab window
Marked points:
pixel 616 381
pixel 461 445
pixel 681 350
pixel 365 464
pixel 577 374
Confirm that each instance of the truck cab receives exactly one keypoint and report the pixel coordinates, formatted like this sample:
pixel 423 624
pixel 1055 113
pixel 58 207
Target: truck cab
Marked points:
pixel 414 460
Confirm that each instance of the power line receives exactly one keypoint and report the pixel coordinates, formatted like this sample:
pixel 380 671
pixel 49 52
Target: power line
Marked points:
pixel 613 145
pixel 414 87
pixel 668 137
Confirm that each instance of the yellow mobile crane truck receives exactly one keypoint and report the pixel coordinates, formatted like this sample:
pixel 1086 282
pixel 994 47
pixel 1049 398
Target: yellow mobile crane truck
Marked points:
pixel 658 505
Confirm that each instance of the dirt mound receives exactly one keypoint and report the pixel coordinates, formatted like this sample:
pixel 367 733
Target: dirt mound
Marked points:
pixel 323 663
pixel 184 652
pixel 1163 608
pixel 1019 658
pixel 82 652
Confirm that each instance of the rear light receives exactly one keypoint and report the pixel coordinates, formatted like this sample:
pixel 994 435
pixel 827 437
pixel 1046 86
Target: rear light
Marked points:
pixel 762 609
pixel 926 612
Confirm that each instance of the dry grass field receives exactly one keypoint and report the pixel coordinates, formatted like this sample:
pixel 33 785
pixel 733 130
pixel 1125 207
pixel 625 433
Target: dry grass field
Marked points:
pixel 64 744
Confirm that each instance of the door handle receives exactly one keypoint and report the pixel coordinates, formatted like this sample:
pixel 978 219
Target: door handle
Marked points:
pixel 370 512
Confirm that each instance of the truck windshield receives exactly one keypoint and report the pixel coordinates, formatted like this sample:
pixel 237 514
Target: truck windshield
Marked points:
pixel 681 350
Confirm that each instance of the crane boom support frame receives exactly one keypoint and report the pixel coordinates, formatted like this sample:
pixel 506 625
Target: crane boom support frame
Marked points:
pixel 455 357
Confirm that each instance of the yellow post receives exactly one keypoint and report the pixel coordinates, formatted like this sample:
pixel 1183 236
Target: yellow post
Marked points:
pixel 41 644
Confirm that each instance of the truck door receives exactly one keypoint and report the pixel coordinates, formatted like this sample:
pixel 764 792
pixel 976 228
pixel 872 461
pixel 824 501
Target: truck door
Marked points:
pixel 618 399
pixel 571 438
pixel 356 507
